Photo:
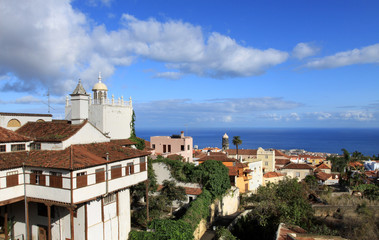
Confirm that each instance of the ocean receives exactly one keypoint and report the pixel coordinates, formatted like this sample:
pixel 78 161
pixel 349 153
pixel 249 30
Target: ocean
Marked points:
pixel 327 140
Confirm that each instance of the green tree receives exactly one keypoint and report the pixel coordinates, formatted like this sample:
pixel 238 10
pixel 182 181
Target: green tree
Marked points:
pixel 215 177
pixel 173 193
pixel 237 141
pixel 311 181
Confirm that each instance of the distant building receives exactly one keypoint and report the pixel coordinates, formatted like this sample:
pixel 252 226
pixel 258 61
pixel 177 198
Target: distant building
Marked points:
pixel 225 142
pixel 272 177
pixel 297 170
pixel 176 144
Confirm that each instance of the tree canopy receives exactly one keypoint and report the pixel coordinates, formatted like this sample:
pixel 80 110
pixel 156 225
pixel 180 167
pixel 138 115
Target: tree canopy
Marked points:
pixel 237 141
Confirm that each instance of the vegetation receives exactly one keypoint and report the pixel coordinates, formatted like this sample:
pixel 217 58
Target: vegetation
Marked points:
pixel 225 234
pixel 140 143
pixel 172 193
pixel 211 174
pixel 283 202
pixel 237 141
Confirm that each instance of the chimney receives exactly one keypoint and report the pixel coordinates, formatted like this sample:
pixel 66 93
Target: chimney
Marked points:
pixel 182 134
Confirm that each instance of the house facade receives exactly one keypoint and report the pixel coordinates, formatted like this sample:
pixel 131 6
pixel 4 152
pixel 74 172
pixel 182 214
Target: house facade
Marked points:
pixel 176 144
pixel 68 179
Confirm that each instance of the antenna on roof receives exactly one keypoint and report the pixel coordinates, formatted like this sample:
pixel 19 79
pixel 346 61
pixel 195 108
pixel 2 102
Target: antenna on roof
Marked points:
pixel 48 100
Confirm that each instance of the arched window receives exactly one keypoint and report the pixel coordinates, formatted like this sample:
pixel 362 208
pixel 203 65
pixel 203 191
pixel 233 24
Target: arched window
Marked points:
pixel 40 120
pixel 14 123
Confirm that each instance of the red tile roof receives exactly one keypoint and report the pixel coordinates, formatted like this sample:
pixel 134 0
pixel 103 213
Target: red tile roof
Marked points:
pixel 222 158
pixel 323 166
pixel 189 190
pixel 279 153
pixel 233 171
pixel 282 161
pixel 123 142
pixel 242 151
pixel 323 176
pixel 355 164
pixel 85 155
pixel 272 174
pixel 7 136
pixel 55 131
pixel 298 166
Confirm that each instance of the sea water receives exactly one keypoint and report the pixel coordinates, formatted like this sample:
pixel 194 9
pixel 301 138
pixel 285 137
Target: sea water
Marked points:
pixel 327 140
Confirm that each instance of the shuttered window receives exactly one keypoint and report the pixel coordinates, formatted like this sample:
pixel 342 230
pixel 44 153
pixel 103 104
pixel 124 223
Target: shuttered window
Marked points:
pixel 37 178
pixel 12 178
pixel 100 175
pixel 142 165
pixel 56 179
pixel 116 171
pixel 81 179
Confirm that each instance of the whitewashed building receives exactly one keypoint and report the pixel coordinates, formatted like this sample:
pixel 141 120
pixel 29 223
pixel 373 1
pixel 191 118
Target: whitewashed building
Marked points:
pixel 65 180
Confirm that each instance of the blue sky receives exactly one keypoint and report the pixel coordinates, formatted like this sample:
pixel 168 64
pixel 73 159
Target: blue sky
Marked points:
pixel 198 63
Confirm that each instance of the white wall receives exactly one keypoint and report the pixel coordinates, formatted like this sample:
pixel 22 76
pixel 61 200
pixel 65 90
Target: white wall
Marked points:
pixel 257 175
pixel 87 134
pixel 4 119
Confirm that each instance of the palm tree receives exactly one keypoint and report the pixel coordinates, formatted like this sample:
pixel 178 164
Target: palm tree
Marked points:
pixel 237 141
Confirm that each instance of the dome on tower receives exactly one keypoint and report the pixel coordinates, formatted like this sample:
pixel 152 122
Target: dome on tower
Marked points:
pixel 99 86
pixel 225 136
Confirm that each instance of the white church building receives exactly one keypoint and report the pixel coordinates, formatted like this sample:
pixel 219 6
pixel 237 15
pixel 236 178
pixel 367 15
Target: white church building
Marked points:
pixel 69 179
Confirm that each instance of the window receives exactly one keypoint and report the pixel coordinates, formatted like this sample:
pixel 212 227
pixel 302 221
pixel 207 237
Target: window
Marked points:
pixel 12 178
pixel 182 148
pixel 81 179
pixel 35 146
pixel 111 198
pixel 297 174
pixel 116 171
pixel 100 175
pixel 266 163
pixel 129 169
pixel 3 148
pixel 14 123
pixel 266 156
pixel 169 148
pixel 164 148
pixel 17 147
pixel 55 179
pixel 154 146
pixel 142 165
pixel 37 178
pixel 188 147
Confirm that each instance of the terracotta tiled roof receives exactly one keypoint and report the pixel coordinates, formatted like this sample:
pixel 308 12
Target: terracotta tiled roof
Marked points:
pixel 242 151
pixel 233 171
pixel 55 131
pixel 283 230
pixel 272 174
pixel 323 176
pixel 323 166
pixel 298 166
pixel 123 142
pixel 83 156
pixel 282 161
pixel 223 158
pixel 355 164
pixel 193 191
pixel 26 114
pixel 279 153
pixel 7 136
pixel 189 190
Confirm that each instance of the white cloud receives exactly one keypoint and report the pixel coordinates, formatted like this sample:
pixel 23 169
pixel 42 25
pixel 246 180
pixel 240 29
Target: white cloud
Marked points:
pixel 303 50
pixel 357 115
pixel 293 116
pixel 369 54
pixel 50 44
pixel 168 75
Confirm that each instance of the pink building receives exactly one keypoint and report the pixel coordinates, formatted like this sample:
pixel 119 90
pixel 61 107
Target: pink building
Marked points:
pixel 176 144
